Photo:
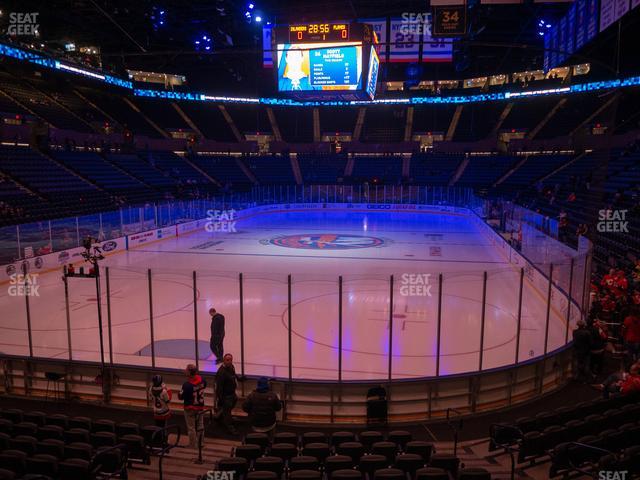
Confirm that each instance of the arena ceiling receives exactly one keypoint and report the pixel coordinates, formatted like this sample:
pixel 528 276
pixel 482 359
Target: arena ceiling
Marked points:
pixel 134 35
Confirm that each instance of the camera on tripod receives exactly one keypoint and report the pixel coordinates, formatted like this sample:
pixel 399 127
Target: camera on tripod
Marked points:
pixel 92 254
pixel 89 243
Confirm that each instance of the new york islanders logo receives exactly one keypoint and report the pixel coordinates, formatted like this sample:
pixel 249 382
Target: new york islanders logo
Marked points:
pixel 326 241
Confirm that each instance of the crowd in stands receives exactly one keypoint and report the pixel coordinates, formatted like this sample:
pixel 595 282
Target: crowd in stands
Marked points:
pixel 7 210
pixel 592 189
pixel 613 326
pixel 10 212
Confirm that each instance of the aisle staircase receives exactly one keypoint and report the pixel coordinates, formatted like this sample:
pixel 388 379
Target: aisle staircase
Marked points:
pixel 181 464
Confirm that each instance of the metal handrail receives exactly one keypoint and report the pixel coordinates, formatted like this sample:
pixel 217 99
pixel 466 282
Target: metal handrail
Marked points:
pixel 574 468
pixel 509 448
pixel 122 447
pixel 166 448
pixel 200 438
pixel 453 427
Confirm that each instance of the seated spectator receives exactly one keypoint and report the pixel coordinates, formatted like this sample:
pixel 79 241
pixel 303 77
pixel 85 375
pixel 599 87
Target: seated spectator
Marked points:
pixel 622 383
pixel 262 405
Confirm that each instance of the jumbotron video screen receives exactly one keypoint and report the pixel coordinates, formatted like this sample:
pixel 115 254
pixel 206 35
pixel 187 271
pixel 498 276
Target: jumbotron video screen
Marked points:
pixel 326 59
pixel 319 67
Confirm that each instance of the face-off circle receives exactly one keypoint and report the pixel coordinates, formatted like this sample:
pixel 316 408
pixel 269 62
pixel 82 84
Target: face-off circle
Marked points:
pixel 326 241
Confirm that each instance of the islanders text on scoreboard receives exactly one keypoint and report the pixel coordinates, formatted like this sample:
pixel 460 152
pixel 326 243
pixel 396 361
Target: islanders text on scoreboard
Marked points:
pixel 319 32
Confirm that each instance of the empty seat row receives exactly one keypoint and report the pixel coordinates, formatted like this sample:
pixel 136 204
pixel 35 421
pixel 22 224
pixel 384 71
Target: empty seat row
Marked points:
pixel 427 473
pixel 610 427
pixel 14 418
pixel 630 410
pixel 535 444
pixel 409 465
pixel 62 447
pixel 367 438
pixel 566 457
pixel 108 461
pixel 322 451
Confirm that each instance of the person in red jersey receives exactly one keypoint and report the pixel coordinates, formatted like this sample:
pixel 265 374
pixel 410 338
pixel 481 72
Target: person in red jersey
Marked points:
pixel 631 383
pixel 608 281
pixel 622 383
pixel 192 394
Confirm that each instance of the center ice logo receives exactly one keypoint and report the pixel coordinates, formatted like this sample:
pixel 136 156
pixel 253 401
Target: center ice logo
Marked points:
pixel 326 241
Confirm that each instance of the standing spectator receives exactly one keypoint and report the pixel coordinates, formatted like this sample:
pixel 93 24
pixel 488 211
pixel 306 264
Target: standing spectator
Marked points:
pixel 377 406
pixel 563 226
pixel 226 384
pixel 160 396
pixel 262 405
pixel 217 334
pixel 631 331
pixel 582 230
pixel 599 339
pixel 192 393
pixel 582 351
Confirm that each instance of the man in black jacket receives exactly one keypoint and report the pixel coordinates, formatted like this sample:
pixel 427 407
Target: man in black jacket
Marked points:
pixel 262 405
pixel 226 384
pixel 582 342
pixel 217 334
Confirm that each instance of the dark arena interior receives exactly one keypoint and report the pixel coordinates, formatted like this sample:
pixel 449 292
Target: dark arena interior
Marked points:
pixel 319 239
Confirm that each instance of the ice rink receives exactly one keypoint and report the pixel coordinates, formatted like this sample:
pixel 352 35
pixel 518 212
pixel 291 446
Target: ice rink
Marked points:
pixel 315 248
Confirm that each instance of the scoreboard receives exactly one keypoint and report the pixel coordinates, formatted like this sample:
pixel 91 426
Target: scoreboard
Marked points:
pixel 319 32
pixel 326 60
